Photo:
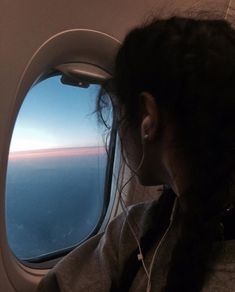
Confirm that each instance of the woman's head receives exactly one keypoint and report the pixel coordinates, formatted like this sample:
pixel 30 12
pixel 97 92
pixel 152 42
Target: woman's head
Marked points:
pixel 187 67
pixel 175 83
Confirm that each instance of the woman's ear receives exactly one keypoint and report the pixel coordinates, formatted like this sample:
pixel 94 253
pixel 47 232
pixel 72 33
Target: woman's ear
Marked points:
pixel 150 116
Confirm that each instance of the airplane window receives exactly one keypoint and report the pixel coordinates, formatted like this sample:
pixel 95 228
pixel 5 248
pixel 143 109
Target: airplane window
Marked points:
pixel 56 169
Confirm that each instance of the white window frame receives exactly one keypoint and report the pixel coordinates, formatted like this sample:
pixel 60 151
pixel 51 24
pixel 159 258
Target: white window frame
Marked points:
pixel 72 46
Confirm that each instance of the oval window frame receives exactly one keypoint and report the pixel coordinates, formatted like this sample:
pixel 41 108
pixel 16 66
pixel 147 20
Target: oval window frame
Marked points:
pixel 72 46
pixel 82 72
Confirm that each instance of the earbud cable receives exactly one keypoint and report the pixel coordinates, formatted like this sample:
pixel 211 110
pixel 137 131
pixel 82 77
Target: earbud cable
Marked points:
pixel 130 224
pixel 125 210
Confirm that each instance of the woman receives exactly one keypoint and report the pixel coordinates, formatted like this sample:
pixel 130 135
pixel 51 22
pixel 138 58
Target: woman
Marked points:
pixel 175 99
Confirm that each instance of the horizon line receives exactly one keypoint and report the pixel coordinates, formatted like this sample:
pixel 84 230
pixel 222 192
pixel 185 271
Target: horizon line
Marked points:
pixel 58 152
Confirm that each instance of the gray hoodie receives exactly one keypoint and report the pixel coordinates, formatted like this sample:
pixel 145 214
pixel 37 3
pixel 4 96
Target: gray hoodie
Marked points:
pixel 99 262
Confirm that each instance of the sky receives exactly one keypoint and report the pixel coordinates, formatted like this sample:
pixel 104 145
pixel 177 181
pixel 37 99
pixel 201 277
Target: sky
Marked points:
pixel 54 115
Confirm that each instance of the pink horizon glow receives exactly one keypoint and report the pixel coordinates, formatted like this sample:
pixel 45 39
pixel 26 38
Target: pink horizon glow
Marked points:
pixel 60 152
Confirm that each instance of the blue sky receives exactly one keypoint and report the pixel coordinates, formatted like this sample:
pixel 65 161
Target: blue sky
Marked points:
pixel 54 115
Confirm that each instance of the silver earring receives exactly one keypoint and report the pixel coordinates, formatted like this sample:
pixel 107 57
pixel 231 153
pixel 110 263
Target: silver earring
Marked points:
pixel 145 138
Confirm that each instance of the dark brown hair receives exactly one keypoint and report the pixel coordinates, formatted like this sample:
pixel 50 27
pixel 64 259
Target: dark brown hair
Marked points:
pixel 188 65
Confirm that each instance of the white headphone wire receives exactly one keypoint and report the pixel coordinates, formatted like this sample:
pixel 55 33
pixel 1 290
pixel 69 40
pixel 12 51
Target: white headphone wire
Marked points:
pixel 156 252
pixel 125 210
pixel 130 224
